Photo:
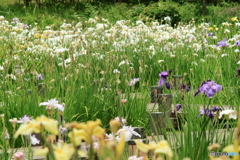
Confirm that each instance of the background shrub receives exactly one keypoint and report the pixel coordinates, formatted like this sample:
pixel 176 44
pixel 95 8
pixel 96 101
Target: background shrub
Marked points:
pixel 188 11
pixel 158 11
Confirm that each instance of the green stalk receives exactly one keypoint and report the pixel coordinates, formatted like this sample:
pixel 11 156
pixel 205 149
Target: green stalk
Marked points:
pixel 91 153
pixel 43 139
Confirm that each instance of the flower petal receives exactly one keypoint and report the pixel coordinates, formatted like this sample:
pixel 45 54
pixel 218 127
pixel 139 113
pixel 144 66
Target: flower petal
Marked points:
pixel 44 104
pixel 162 81
pixel 59 106
pixel 41 152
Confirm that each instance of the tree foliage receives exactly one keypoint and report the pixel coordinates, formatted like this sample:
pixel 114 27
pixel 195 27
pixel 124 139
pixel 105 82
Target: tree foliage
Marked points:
pixel 215 2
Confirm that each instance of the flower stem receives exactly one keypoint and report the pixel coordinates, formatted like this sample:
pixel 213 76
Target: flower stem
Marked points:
pixel 43 139
pixel 91 153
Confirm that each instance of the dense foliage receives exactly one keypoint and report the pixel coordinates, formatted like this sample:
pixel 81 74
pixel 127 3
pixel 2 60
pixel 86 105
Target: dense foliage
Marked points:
pixel 52 12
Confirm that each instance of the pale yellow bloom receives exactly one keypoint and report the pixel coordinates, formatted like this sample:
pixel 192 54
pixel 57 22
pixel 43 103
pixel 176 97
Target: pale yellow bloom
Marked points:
pixel 63 151
pixel 161 147
pixel 210 29
pixel 120 147
pixel 143 147
pixel 164 148
pixel 85 131
pixel 234 19
pixel 37 35
pixel 82 154
pixel 77 135
pixel 114 125
pixel 49 124
pixel 230 148
pixel 34 126
pixel 41 152
pixel 89 125
pixel 213 146
pixel 152 144
pixel 28 128
pixel 44 36
pixel 220 158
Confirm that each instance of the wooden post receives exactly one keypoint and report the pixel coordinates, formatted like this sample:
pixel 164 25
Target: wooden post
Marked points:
pixel 165 103
pixel 155 91
pixel 41 89
pixel 177 81
pixel 29 92
pixel 157 122
pixel 133 148
pixel 175 119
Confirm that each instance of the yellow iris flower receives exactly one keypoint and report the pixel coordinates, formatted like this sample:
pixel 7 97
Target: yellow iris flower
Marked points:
pixel 234 19
pixel 85 131
pixel 161 147
pixel 37 35
pixel 77 135
pixel 114 125
pixel 143 147
pixel 120 147
pixel 210 29
pixel 63 151
pixel 28 128
pixel 49 124
pixel 232 148
pixel 34 126
pixel 41 152
pixel 164 148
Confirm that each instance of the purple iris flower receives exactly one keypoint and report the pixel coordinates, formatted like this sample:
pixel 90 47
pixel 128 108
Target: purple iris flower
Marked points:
pixel 163 76
pixel 238 70
pixel 168 86
pixel 178 107
pixel 210 34
pixel 183 87
pixel 188 88
pixel 207 112
pixel 39 77
pixel 209 88
pixel 170 71
pixel 222 43
pixel 201 112
pixel 238 43
pixel 214 109
pixel 199 89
